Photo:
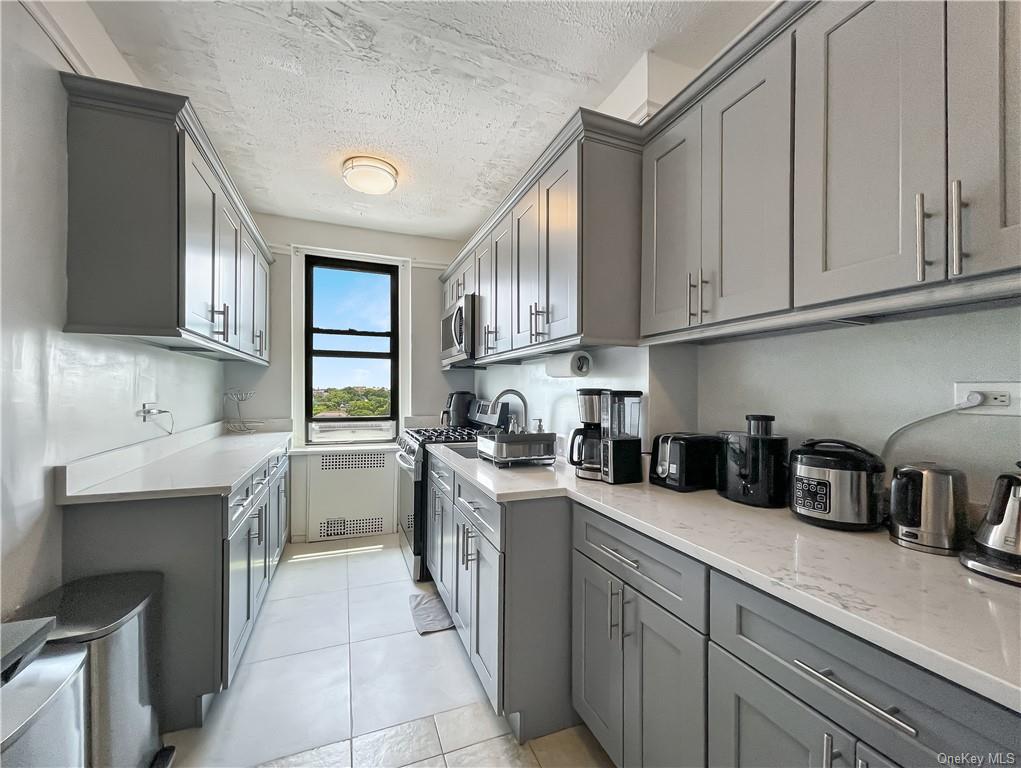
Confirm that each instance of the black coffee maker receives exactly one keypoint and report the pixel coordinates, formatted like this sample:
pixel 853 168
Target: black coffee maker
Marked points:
pixel 753 464
pixel 455 412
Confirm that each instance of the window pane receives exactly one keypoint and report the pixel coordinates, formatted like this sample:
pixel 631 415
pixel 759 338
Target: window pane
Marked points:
pixel 345 386
pixel 343 299
pixel 350 343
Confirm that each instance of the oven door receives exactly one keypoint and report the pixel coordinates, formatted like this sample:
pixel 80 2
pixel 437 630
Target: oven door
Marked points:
pixel 457 332
pixel 407 524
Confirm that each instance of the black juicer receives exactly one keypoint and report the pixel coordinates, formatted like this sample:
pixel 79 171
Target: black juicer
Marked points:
pixel 753 464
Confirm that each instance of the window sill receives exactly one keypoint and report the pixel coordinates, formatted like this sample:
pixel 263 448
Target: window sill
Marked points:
pixel 387 446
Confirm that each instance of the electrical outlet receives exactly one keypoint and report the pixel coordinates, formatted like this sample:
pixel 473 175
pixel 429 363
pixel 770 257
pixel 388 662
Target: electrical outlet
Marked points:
pixel 1001 398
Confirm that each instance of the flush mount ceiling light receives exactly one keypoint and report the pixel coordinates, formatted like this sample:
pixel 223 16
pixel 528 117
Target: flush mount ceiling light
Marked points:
pixel 369 175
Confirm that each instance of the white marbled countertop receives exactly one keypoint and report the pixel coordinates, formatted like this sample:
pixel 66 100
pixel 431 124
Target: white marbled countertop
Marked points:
pixel 925 608
pixel 210 468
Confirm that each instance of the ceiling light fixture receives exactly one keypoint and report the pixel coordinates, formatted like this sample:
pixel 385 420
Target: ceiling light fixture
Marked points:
pixel 369 175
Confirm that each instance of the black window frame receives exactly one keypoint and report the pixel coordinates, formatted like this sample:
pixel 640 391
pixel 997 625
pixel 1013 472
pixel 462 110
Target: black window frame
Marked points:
pixel 312 262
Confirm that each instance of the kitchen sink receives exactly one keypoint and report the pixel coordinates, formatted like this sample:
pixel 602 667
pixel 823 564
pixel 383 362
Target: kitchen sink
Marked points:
pixel 468 451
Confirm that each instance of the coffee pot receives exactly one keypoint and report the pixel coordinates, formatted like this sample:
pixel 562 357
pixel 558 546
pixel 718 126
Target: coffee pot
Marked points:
pixel 1000 530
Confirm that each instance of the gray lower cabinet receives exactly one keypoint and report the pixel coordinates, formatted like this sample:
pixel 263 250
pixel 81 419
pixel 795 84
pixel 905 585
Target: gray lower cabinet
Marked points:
pixel 261 553
pixel 664 687
pixel 597 680
pixel 556 311
pixel 484 564
pixel 756 724
pixel 158 235
pixel 870 156
pixel 461 583
pixel 866 757
pixel 984 136
pixel 239 558
pixel 279 519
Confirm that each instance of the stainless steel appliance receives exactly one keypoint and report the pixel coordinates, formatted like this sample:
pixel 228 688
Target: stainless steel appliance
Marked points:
pixel 457 332
pixel 685 461
pixel 585 445
pixel 837 484
pixel 996 550
pixel 411 491
pixel 455 412
pixel 928 508
pixel 620 414
pixel 753 464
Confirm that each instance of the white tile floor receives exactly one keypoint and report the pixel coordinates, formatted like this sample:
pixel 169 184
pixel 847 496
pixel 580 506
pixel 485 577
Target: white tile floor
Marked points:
pixel 335 675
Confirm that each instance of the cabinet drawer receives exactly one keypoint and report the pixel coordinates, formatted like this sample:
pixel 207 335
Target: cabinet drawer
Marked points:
pixel 441 476
pixel 675 581
pixel 904 712
pixel 483 513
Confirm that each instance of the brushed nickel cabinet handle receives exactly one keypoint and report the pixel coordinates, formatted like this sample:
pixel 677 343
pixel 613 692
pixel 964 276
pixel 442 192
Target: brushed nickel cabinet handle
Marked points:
pixel 618 557
pixel 609 609
pixel 828 754
pixel 920 217
pixel 825 677
pixel 955 228
pixel 701 283
pixel 531 323
pixel 225 314
pixel 687 299
pixel 465 537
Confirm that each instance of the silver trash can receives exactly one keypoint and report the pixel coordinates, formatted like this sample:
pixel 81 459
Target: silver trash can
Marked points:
pixel 116 618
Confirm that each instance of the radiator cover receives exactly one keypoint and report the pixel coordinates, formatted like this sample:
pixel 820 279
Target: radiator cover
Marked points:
pixel 351 493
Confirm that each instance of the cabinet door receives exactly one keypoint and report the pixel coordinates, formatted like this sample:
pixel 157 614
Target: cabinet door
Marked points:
pixel 757 724
pixel 447 557
pixel 261 311
pixel 469 279
pixel 260 556
pixel 672 225
pixel 228 268
pixel 433 532
pixel 866 757
pixel 664 687
pixel 462 585
pixel 246 294
pixel 485 305
pixel 984 135
pixel 238 603
pixel 557 312
pixel 273 526
pixel 503 286
pixel 285 513
pixel 597 657
pixel 525 281
pixel 486 567
pixel 746 188
pixel 869 155
pixel 200 197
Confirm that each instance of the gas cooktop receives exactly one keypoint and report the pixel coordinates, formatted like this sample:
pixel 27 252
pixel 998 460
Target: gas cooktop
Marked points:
pixel 444 434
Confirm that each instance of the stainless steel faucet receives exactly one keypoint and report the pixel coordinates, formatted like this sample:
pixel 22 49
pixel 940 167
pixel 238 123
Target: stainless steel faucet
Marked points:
pixel 524 406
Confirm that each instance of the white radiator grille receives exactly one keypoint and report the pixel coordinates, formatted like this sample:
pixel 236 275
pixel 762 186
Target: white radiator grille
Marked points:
pixel 409 524
pixel 331 461
pixel 338 527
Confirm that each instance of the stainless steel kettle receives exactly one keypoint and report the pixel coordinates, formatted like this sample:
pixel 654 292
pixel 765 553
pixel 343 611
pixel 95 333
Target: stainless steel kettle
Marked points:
pixel 1000 531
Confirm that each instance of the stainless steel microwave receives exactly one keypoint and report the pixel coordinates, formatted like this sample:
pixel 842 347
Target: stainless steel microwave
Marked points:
pixel 457 332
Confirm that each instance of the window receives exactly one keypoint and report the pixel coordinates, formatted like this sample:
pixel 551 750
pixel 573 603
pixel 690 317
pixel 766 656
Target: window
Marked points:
pixel 351 349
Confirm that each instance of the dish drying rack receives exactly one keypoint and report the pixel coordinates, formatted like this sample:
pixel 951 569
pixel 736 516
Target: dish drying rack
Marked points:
pixel 241 425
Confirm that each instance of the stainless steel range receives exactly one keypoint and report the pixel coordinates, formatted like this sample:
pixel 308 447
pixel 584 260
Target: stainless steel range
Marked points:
pixel 411 489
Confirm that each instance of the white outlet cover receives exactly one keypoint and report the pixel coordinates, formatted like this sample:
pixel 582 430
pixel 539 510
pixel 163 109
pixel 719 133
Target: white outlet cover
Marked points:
pixel 1012 388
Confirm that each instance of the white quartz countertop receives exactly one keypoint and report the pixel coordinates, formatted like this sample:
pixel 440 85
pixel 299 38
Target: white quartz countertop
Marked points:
pixel 210 468
pixel 925 608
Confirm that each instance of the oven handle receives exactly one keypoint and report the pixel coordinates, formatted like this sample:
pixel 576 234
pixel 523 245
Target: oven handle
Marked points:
pixel 410 466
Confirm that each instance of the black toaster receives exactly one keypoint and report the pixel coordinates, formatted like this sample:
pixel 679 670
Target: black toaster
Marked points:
pixel 685 461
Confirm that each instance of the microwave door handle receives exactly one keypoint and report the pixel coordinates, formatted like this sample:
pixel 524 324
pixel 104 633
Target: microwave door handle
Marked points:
pixel 459 328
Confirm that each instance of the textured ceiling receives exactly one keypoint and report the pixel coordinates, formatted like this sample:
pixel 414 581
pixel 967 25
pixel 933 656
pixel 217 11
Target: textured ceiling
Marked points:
pixel 460 96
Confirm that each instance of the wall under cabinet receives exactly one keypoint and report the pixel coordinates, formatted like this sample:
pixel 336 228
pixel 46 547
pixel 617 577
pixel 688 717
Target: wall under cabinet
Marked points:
pixel 65 396
pixel 862 383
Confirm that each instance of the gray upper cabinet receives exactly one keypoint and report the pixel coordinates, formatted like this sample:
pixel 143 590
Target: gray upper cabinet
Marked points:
pixel 597 681
pixel 156 248
pixel 246 294
pixel 746 183
pixel 672 226
pixel 984 136
pixel 756 724
pixel 556 313
pixel 260 331
pixel 869 157
pixel 502 313
pixel 485 307
pixel 664 687
pixel 201 192
pixel 525 247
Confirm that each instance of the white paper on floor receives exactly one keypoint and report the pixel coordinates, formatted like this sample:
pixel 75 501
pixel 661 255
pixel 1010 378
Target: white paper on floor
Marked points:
pixel 429 613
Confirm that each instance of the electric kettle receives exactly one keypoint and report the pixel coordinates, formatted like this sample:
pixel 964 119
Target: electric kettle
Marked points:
pixel 1000 531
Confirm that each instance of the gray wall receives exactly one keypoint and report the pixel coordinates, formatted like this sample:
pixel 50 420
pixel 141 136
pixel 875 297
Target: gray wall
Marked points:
pixel 862 383
pixel 64 396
